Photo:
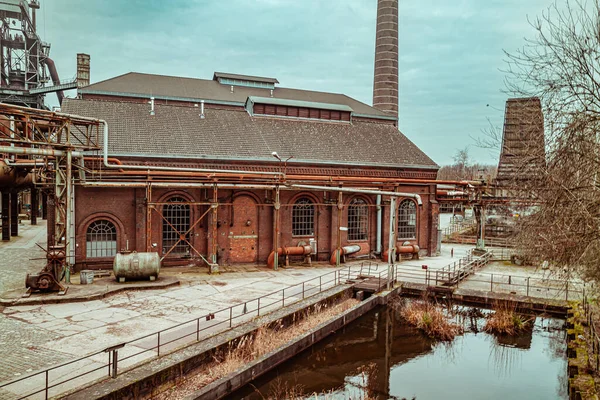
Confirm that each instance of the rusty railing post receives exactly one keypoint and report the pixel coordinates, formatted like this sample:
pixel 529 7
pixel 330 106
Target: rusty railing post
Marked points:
pixel 47 377
pixel 283 298
pixel 492 283
pixel 258 309
pixel 157 348
pixel 567 291
pixel 302 290
pixel 198 329
pixel 230 316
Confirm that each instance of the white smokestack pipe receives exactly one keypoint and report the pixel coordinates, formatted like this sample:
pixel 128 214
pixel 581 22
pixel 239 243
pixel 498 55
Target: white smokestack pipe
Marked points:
pixel 151 105
pixel 202 109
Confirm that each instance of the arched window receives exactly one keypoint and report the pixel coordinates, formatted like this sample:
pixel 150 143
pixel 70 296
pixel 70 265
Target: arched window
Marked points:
pixel 176 222
pixel 358 219
pixel 303 218
pixel 407 220
pixel 101 239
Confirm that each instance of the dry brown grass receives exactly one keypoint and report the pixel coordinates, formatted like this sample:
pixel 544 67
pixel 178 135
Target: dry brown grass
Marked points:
pixel 253 346
pixel 505 320
pixel 429 317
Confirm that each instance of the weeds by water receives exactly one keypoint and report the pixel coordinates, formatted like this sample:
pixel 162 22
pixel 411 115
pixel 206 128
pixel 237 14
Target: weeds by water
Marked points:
pixel 253 346
pixel 505 320
pixel 427 316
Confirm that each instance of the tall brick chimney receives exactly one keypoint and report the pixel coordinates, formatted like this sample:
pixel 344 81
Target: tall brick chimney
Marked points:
pixel 385 84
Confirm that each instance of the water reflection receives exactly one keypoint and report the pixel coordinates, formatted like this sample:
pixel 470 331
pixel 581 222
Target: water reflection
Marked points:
pixel 380 356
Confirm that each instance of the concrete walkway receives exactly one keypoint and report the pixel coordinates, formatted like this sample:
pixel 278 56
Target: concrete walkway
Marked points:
pixel 39 336
pixel 18 256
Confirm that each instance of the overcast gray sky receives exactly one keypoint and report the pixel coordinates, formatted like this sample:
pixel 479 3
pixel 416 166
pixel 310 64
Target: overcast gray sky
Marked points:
pixel 450 51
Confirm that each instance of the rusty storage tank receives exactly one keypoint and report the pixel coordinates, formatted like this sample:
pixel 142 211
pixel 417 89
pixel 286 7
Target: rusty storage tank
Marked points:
pixel 134 266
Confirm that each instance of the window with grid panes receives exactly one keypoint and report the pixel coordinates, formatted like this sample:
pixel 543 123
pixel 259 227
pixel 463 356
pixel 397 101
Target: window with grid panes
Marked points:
pixel 358 217
pixel 101 239
pixel 176 222
pixel 303 218
pixel 407 220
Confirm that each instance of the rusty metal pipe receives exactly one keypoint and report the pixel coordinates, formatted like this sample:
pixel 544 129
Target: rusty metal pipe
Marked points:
pixel 11 178
pixel 55 79
pixel 353 190
pixel 288 251
pixel 344 251
pixel 175 185
pixel 37 152
pixel 403 249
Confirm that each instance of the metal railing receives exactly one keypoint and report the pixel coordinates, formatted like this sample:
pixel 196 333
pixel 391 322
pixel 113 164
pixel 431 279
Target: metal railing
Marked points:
pixel 455 275
pixel 456 227
pixel 122 356
pixel 593 362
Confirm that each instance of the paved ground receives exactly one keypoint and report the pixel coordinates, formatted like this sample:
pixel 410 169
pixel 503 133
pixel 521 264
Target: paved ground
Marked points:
pixel 38 336
pixel 17 255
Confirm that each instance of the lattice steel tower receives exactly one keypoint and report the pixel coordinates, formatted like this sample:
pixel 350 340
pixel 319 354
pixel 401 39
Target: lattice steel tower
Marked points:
pixel 25 65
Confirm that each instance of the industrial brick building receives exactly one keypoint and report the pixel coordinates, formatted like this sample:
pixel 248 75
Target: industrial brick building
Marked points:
pixel 230 169
pixel 234 124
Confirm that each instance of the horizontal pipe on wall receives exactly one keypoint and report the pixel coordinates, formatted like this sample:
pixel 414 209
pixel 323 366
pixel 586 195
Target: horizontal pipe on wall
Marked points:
pixel 364 191
pixel 37 151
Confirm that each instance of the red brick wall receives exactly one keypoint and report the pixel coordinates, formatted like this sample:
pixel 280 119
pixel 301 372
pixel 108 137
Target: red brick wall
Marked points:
pixel 244 221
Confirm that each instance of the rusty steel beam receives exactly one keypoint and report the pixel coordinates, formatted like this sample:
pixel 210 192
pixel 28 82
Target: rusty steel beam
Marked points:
pixel 34 205
pixel 5 216
pixel 14 214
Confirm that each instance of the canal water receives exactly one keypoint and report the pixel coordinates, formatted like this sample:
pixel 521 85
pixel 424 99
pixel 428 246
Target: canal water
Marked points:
pixel 379 357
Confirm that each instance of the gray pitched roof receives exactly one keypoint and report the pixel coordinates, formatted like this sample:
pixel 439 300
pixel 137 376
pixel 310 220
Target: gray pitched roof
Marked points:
pixel 176 131
pixel 174 87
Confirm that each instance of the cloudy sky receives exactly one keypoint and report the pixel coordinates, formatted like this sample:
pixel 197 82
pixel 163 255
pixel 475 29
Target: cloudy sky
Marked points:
pixel 450 51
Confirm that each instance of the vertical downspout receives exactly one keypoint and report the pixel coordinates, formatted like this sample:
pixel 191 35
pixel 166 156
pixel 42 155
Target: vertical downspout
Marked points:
pixel 392 240
pixel 340 206
pixel 214 206
pixel 276 207
pixel 379 219
pixel 67 230
pixel 149 219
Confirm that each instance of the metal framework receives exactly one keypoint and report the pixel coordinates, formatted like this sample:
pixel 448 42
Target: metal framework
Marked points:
pixel 358 220
pixel 24 57
pixel 407 220
pixel 303 217
pixel 101 239
pixel 26 135
pixel 176 227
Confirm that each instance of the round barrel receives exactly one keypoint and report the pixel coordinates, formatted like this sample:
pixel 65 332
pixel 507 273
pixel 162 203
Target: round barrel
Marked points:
pixel 135 265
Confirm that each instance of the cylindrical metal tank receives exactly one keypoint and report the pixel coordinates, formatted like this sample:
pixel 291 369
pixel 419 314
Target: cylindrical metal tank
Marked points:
pixel 136 265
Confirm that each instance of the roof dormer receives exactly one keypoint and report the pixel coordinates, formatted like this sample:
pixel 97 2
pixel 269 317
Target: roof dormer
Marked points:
pixel 245 80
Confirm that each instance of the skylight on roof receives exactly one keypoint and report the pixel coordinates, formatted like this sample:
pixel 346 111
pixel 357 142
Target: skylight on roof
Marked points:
pixel 241 82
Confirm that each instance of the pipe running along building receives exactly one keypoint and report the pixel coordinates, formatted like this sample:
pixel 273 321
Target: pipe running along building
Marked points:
pixel 224 143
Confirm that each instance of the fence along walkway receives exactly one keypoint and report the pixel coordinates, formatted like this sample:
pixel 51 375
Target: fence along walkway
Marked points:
pixel 111 361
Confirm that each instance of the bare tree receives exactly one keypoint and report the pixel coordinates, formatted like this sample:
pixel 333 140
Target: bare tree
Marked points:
pixel 561 66
pixel 463 169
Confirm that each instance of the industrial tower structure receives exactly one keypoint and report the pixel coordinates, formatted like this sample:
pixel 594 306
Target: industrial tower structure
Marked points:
pixel 25 65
